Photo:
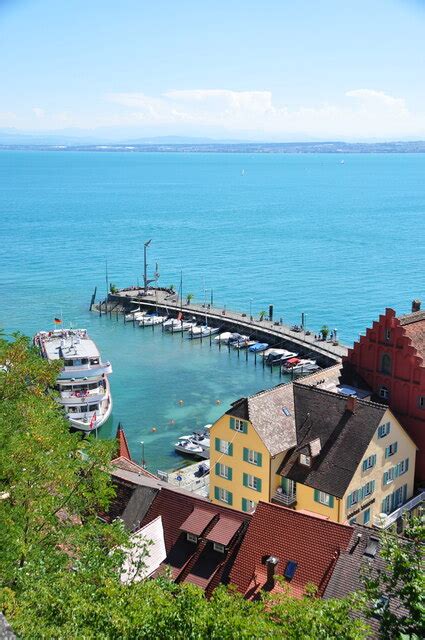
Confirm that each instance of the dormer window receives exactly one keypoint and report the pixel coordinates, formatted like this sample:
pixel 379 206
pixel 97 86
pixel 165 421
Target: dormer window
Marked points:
pixel 192 538
pixel 384 393
pixel 305 460
pixel 219 547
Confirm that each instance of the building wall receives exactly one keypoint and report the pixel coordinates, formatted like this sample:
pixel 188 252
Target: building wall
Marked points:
pixel 405 379
pixel 251 440
pixel 405 449
pixel 339 510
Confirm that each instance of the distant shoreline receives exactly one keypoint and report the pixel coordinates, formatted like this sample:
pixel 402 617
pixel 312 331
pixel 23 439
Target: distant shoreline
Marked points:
pixel 253 148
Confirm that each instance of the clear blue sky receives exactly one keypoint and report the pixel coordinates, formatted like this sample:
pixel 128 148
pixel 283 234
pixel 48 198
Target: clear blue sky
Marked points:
pixel 269 69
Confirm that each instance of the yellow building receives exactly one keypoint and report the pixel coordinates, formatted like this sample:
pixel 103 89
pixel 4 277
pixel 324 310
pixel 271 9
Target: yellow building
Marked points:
pixel 248 444
pixel 353 461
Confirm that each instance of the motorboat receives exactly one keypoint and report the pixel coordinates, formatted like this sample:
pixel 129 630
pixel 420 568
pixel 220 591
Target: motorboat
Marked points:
pixel 148 321
pixel 188 447
pixel 258 347
pixel 135 317
pixel 177 326
pixel 223 337
pixel 202 332
pixel 83 385
pixel 243 344
pixel 274 359
pixel 130 315
pixel 299 366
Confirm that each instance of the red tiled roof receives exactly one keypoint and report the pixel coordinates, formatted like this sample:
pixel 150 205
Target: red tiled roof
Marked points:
pixel 123 448
pixel 313 543
pixel 197 522
pixel 415 330
pixel 188 561
pixel 129 465
pixel 224 530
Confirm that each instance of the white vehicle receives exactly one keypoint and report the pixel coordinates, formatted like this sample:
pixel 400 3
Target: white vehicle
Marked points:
pixel 83 383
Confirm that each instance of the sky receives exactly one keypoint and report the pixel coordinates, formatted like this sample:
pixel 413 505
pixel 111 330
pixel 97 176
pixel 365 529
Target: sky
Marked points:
pixel 269 70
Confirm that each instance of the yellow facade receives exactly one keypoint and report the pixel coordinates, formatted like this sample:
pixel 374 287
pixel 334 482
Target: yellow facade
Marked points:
pixel 369 505
pixel 242 470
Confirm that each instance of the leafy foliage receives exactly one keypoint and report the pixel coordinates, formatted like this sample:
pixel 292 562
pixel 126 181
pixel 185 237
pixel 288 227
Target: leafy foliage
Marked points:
pixel 402 581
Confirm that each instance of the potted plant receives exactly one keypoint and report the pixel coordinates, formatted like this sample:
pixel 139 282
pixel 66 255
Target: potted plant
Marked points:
pixel 324 331
pixel 113 288
pixel 190 297
pixel 262 315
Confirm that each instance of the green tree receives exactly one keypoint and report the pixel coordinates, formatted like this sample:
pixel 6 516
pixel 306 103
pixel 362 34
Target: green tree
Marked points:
pixel 113 288
pixel 189 298
pixel 324 331
pixel 262 315
pixel 402 580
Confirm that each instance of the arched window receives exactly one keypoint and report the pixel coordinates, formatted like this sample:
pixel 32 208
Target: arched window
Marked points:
pixel 386 363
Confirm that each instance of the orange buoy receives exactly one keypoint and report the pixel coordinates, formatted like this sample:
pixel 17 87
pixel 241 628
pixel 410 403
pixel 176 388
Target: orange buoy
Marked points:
pixel 181 402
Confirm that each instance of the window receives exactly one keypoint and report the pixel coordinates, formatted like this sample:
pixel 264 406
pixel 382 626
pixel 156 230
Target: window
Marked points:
pixel 254 457
pixel 391 450
pixel 219 547
pixel 421 402
pixel 251 482
pixel 290 569
pixel 323 498
pixel 366 516
pixel 402 467
pixel 368 488
pixel 384 429
pixel 387 334
pixel 386 363
pixel 353 521
pixel 389 476
pixel 191 537
pixel 223 495
pixel 380 606
pixel 369 462
pixel 223 471
pixel 248 505
pixel 352 499
pixel 239 425
pixel 305 460
pixel 384 393
pixel 93 407
pixel 395 500
pixel 286 411
pixel 223 446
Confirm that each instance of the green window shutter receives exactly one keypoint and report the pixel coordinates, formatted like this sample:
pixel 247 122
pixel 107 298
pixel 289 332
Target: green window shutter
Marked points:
pixel 316 495
pixel 245 454
pixel 260 459
pixel 258 484
pixel 406 465
pixel 374 459
pixel 244 505
pixel 331 501
pixel 232 423
pixel 395 447
pixel 217 444
pixel 245 427
pixel 229 498
pixel 364 465
pixel 245 479
pixel 373 486
pixel 230 451
pixel 229 473
pixel 216 493
pixel 386 451
pixel 349 501
pixel 217 468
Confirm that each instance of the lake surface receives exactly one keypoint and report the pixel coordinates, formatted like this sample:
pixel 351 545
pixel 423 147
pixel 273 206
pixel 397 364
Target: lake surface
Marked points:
pixel 307 233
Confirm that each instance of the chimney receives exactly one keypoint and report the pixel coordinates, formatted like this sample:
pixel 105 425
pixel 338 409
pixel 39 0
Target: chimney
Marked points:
pixel 416 306
pixel 271 563
pixel 351 404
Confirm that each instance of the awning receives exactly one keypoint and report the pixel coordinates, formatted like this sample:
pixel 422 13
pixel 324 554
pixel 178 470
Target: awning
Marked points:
pixel 224 530
pixel 198 521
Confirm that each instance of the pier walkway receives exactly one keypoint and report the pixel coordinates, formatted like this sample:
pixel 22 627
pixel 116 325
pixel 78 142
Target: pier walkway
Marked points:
pixel 326 352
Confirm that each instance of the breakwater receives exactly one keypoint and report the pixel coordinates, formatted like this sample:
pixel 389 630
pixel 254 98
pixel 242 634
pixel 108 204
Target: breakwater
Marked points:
pixel 275 333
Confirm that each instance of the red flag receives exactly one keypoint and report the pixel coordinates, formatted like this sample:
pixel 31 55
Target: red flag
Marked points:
pixel 92 421
pixel 57 321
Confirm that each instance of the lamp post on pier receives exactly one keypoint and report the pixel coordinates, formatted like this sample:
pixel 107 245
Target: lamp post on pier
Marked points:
pixel 143 455
pixel 250 309
pixel 145 265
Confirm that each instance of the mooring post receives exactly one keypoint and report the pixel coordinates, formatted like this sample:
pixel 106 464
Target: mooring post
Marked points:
pixel 255 358
pixel 246 354
pixel 239 352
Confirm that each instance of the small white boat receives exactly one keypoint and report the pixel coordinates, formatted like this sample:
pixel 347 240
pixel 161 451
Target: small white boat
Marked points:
pixel 136 317
pixel 148 321
pixel 274 359
pixel 202 332
pixel 130 314
pixel 297 365
pixel 177 326
pixel 223 337
pixel 188 447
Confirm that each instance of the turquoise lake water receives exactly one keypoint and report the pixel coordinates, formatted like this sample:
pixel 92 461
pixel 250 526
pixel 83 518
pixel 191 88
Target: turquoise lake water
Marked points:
pixel 306 233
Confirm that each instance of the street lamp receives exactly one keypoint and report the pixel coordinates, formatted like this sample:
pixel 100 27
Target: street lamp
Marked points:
pixel 143 454
pixel 250 309
pixel 145 270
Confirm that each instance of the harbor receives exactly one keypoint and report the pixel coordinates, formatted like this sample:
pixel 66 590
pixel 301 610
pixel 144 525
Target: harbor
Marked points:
pixel 264 329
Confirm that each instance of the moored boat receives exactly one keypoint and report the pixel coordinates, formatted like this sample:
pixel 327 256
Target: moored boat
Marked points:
pixel 83 384
pixel 148 321
pixel 258 347
pixel 202 332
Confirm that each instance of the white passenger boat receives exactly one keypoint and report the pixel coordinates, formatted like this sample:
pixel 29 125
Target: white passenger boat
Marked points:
pixel 148 321
pixel 83 383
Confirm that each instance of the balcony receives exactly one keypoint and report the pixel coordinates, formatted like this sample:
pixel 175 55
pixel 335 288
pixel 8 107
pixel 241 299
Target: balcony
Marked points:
pixel 284 499
pixel 384 521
